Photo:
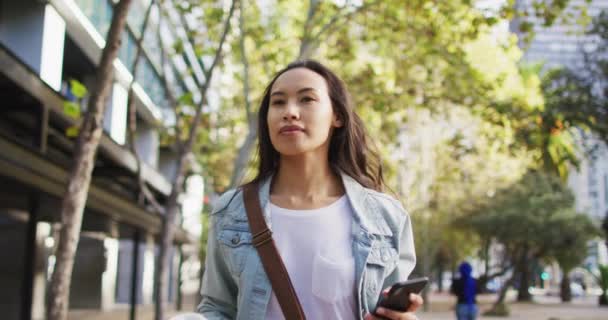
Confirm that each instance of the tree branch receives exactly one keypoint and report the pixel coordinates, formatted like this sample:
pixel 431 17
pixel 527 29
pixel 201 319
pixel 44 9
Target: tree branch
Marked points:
pixel 308 43
pixel 191 40
pixel 143 192
pixel 306 40
pixel 172 205
pixel 245 68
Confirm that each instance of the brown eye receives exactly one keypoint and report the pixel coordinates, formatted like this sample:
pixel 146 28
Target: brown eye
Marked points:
pixel 277 102
pixel 307 99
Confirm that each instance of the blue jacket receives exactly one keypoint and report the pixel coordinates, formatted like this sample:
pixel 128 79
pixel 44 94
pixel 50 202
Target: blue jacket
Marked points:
pixel 235 285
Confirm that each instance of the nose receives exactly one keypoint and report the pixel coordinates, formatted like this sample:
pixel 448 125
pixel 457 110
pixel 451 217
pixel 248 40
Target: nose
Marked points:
pixel 291 112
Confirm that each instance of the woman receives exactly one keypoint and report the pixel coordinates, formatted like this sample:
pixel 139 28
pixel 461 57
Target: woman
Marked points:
pixel 341 239
pixel 465 289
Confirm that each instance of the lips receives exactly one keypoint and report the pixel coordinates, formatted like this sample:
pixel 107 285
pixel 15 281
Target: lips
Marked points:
pixel 290 129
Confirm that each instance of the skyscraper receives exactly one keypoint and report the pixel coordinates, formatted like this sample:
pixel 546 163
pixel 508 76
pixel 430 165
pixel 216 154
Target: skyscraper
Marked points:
pixel 562 45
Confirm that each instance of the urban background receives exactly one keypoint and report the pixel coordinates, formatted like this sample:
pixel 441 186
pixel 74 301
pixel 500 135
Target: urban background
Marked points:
pixel 122 121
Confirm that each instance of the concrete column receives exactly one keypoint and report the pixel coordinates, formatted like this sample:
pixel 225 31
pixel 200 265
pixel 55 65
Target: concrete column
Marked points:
pixel 115 118
pixel 44 246
pixel 148 270
pixel 109 276
pixel 147 142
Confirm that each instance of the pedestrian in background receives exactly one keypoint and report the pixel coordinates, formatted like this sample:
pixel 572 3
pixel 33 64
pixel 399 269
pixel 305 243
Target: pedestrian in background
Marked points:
pixel 465 289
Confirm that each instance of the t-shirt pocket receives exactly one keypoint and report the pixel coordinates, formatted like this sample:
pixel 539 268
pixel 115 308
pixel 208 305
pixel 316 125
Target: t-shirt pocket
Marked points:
pixel 332 279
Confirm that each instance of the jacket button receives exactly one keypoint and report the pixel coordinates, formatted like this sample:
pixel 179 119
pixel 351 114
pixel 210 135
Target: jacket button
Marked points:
pixel 385 257
pixel 236 239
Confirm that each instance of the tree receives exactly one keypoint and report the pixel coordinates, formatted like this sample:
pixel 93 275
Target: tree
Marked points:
pixel 529 219
pixel 393 56
pixel 73 202
pixel 184 140
pixel 602 280
pixel 449 161
pixel 573 107
pixel 570 242
pixel 144 192
pixel 321 21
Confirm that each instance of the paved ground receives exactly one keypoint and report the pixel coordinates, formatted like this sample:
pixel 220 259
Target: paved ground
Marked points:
pixel 543 308
pixel 440 308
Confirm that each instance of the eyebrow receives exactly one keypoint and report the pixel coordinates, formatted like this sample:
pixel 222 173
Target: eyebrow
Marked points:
pixel 281 93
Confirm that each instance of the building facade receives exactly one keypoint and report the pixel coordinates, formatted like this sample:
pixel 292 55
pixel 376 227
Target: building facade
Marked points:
pixel 563 45
pixel 46 48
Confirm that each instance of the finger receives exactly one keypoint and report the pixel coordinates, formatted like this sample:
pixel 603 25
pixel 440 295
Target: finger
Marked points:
pixel 369 316
pixel 392 314
pixel 385 291
pixel 396 315
pixel 416 301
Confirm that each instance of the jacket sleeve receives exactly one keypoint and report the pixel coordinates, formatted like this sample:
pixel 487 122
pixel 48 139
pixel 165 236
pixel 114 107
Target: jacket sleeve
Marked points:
pixel 219 290
pixel 407 253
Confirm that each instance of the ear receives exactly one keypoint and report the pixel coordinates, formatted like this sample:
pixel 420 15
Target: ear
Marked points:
pixel 337 122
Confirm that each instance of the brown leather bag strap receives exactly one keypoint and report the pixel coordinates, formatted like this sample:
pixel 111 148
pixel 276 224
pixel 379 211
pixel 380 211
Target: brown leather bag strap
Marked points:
pixel 271 259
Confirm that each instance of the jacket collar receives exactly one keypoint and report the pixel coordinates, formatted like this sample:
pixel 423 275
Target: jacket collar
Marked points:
pixel 365 214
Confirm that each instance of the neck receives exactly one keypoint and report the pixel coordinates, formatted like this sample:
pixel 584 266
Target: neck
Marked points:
pixel 304 177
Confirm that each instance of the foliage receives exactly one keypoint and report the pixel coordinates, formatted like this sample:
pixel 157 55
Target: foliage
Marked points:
pixel 602 280
pixel 525 214
pixel 569 242
pixel 573 107
pixel 428 74
pixel 72 105
pixel 533 219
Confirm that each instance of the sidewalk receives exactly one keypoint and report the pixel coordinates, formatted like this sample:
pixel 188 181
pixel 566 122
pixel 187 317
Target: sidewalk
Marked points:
pixel 440 308
pixel 543 308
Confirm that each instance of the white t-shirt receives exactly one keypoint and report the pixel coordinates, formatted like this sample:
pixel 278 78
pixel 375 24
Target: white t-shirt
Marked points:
pixel 316 248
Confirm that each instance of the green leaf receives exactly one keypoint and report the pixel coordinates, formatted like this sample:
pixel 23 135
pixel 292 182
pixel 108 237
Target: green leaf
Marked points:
pixel 72 132
pixel 78 89
pixel 71 109
pixel 186 98
pixel 178 46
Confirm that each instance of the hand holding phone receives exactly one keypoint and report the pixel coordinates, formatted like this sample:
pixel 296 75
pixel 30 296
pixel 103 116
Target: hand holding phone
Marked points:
pixel 398 297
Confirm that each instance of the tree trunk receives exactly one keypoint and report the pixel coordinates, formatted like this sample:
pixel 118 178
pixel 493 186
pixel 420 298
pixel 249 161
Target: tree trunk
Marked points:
pixel 565 292
pixel 523 294
pixel 503 292
pixel 73 203
pixel 172 206
pixel 603 299
pixel 132 111
pixel 167 236
pixel 440 270
pixel 241 162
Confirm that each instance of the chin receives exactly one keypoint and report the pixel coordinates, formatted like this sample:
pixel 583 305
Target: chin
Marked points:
pixel 294 149
pixel 291 151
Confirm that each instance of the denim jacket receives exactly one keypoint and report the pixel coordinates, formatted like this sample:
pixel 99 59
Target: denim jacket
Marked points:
pixel 235 285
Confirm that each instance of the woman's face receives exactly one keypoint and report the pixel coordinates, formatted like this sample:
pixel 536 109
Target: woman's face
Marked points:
pixel 300 114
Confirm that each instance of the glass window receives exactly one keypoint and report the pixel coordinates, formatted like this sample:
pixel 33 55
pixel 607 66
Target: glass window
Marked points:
pixel 99 13
pixel 136 15
pixel 606 188
pixel 151 43
pixel 151 83
pixel 128 50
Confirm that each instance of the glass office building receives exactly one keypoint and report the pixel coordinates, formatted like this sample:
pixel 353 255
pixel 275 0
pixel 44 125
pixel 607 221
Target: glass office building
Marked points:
pixel 43 46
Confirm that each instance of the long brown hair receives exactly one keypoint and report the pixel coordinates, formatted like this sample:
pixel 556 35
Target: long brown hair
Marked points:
pixel 350 150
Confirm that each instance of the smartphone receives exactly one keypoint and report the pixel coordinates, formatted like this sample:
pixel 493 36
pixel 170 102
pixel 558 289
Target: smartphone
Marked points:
pixel 398 297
